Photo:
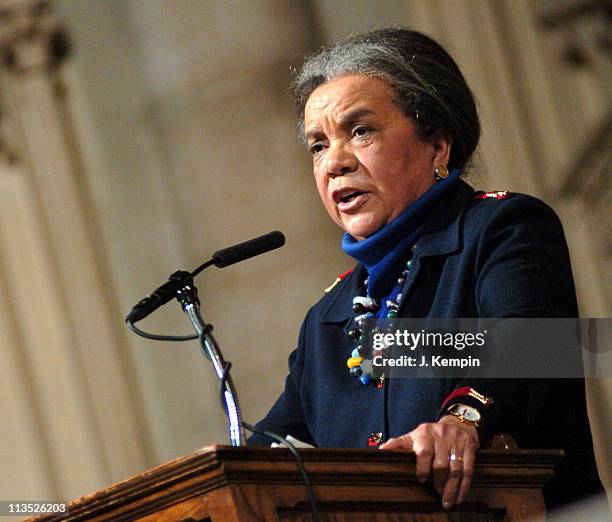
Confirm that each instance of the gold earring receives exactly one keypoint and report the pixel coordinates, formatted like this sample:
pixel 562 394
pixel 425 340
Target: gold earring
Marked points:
pixel 441 172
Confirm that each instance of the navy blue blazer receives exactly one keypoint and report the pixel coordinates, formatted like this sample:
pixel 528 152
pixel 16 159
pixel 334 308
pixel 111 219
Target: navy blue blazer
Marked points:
pixel 486 257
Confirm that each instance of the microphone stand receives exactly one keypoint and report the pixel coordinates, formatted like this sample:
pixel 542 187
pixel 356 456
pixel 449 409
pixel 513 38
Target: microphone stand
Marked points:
pixel 187 295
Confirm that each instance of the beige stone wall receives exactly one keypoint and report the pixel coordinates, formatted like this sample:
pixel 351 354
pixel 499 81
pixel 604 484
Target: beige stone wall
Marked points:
pixel 167 133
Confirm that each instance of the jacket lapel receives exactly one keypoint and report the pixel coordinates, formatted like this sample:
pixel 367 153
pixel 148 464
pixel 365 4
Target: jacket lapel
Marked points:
pixel 441 234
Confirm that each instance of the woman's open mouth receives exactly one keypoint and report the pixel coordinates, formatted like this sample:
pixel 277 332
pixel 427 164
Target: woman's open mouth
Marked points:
pixel 348 200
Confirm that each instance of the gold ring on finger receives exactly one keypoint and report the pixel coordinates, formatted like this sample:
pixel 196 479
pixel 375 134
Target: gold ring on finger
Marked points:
pixel 455 458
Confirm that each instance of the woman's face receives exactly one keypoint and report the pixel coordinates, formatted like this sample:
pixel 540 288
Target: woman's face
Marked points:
pixel 369 164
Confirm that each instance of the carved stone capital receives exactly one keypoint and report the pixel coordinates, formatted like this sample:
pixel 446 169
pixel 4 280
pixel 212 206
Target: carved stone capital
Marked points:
pixel 31 38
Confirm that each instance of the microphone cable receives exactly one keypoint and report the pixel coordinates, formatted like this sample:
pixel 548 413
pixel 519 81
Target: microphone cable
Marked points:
pixel 298 458
pixel 156 337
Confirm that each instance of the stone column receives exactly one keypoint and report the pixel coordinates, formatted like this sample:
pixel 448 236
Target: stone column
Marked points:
pixel 74 409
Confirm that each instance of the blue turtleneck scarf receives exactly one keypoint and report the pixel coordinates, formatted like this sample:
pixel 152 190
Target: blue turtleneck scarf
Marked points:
pixel 384 251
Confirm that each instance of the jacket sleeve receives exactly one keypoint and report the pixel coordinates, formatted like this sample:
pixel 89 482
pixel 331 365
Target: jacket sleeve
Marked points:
pixel 286 416
pixel 523 270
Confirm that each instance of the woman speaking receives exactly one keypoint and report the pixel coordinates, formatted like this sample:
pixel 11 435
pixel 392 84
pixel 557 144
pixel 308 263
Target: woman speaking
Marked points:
pixel 391 125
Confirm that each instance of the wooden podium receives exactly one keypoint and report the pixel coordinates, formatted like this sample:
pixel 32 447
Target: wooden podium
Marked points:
pixel 225 484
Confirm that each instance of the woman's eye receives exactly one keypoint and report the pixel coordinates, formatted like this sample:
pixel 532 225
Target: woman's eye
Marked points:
pixel 360 130
pixel 315 148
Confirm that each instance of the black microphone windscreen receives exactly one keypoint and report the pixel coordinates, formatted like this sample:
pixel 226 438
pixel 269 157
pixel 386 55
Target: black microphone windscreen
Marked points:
pixel 251 248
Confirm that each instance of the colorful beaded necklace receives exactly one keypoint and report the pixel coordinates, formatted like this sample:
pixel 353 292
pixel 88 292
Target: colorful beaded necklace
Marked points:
pixel 381 253
pixel 367 308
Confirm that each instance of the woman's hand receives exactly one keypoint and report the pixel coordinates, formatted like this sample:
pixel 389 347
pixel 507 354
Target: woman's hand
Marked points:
pixel 434 443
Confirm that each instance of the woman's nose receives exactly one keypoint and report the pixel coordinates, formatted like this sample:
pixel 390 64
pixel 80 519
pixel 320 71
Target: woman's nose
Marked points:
pixel 340 161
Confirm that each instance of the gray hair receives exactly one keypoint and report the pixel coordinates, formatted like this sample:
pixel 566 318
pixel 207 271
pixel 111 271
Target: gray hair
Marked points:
pixel 430 88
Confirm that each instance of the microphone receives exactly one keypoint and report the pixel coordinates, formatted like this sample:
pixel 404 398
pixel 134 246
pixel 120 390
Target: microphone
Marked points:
pixel 222 258
pixel 248 249
pixel 158 297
